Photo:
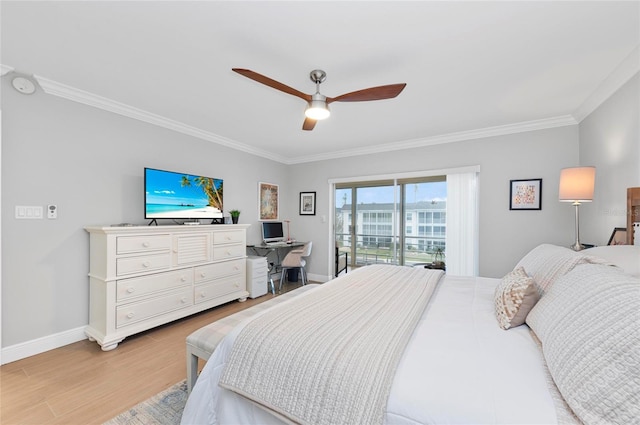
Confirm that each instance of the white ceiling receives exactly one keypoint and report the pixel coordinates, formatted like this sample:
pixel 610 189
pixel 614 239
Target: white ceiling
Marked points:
pixel 471 68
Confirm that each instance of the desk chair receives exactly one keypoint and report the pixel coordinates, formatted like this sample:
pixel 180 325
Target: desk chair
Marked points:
pixel 295 260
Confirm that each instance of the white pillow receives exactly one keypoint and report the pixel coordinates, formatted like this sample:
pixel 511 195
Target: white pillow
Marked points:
pixel 627 257
pixel 546 263
pixel 588 325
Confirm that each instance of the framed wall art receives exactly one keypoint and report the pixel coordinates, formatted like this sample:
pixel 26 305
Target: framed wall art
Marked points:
pixel 307 203
pixel 268 202
pixel 525 194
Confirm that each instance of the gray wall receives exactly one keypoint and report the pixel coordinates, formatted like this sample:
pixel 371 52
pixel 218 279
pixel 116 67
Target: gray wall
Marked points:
pixel 505 236
pixel 610 140
pixel 89 162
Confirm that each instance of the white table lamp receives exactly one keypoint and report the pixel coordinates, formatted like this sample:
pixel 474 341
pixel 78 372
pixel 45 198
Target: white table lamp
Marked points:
pixel 576 186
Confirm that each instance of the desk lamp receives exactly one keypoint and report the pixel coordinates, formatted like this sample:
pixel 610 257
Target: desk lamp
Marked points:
pixel 576 186
pixel 288 235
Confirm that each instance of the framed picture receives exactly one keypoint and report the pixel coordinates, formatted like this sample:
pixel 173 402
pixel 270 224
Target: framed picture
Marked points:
pixel 307 203
pixel 618 237
pixel 268 202
pixel 525 194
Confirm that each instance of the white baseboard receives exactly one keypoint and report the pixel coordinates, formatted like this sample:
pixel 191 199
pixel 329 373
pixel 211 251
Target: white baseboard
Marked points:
pixel 318 277
pixel 40 345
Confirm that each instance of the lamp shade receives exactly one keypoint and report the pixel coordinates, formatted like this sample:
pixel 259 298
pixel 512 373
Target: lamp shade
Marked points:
pixel 577 184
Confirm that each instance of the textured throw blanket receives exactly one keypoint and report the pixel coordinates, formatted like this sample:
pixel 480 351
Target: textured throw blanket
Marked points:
pixel 329 356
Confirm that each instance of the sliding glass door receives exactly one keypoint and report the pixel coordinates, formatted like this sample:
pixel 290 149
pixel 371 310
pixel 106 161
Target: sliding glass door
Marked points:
pixel 424 224
pixel 391 222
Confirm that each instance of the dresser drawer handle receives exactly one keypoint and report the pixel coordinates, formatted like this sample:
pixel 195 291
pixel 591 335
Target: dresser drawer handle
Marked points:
pixel 130 315
pixel 236 268
pixel 145 244
pixel 236 285
pixel 146 264
pixel 183 279
pixel 203 294
pixel 131 290
pixel 203 274
pixel 228 253
pixel 183 300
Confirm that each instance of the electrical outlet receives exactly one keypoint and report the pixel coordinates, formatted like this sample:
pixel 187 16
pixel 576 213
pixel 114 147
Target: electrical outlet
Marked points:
pixel 52 211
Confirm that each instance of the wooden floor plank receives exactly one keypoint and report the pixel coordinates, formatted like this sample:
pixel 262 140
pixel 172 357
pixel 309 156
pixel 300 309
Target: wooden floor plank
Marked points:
pixel 81 384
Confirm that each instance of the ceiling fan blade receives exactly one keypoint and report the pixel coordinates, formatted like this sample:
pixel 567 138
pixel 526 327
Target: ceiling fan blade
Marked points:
pixel 272 83
pixel 372 93
pixel 308 124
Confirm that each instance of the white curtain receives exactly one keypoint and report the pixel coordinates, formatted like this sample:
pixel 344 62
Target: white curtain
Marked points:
pixel 462 224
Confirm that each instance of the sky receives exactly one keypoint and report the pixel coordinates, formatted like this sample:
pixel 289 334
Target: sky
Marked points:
pixel 164 187
pixel 415 193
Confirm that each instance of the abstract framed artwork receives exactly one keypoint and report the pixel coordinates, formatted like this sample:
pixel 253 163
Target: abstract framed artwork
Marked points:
pixel 525 194
pixel 268 201
pixel 307 203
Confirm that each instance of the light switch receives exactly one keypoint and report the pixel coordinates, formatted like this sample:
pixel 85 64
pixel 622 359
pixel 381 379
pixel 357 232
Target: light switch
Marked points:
pixel 29 212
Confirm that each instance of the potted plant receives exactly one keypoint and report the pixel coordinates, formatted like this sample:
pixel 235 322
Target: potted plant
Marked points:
pixel 438 256
pixel 235 214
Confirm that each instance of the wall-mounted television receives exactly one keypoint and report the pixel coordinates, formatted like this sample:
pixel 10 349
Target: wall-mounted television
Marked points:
pixel 173 195
pixel 272 231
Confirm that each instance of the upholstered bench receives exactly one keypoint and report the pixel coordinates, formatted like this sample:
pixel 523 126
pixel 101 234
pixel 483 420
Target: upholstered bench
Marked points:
pixel 201 343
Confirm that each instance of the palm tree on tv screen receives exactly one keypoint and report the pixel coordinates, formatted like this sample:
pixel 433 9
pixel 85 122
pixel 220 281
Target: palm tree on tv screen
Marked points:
pixel 214 194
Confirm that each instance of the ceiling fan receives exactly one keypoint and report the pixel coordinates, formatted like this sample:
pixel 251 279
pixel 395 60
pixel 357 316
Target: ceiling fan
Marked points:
pixel 318 108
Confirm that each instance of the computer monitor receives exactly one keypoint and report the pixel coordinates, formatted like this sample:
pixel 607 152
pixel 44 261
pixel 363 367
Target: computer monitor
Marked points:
pixel 272 231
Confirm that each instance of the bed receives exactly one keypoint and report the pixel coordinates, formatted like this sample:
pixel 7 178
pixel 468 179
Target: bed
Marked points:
pixel 554 341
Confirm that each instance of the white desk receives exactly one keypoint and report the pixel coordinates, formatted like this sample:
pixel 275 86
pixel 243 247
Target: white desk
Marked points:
pixel 264 250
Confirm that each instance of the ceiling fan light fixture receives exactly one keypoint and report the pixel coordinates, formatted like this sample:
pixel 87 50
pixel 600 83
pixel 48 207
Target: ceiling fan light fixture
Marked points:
pixel 317 110
pixel 318 104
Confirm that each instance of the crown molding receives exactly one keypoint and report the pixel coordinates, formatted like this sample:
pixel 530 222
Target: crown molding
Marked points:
pixel 90 99
pixel 629 67
pixel 461 136
pixel 4 70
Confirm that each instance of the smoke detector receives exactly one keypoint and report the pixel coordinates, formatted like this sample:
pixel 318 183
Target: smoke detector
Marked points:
pixel 23 85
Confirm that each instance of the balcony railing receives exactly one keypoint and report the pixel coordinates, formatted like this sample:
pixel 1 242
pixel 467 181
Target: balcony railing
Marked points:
pixel 418 249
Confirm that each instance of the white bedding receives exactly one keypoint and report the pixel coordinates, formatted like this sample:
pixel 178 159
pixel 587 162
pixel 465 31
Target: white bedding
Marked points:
pixel 459 368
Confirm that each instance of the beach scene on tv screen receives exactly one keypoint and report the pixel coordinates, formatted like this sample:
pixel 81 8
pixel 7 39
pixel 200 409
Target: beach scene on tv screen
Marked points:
pixel 179 195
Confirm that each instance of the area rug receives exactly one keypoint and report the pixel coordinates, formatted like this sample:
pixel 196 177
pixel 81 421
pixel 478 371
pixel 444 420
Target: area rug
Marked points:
pixel 164 408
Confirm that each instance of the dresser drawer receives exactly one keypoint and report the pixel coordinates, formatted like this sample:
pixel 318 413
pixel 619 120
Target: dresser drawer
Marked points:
pixel 135 312
pixel 252 275
pixel 131 244
pixel 229 251
pixel 231 236
pixel 218 288
pixel 141 286
pixel 215 271
pixel 143 263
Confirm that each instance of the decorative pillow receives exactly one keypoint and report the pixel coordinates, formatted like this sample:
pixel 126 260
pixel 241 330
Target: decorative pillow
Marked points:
pixel 546 263
pixel 627 257
pixel 514 297
pixel 588 325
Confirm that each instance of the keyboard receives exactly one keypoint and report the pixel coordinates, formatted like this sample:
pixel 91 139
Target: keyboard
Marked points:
pixel 276 243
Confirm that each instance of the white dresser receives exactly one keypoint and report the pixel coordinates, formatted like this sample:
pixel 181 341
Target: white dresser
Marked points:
pixel 145 276
pixel 257 276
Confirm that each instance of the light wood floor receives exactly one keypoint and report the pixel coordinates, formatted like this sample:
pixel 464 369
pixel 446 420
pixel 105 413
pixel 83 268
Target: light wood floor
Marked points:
pixel 81 384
